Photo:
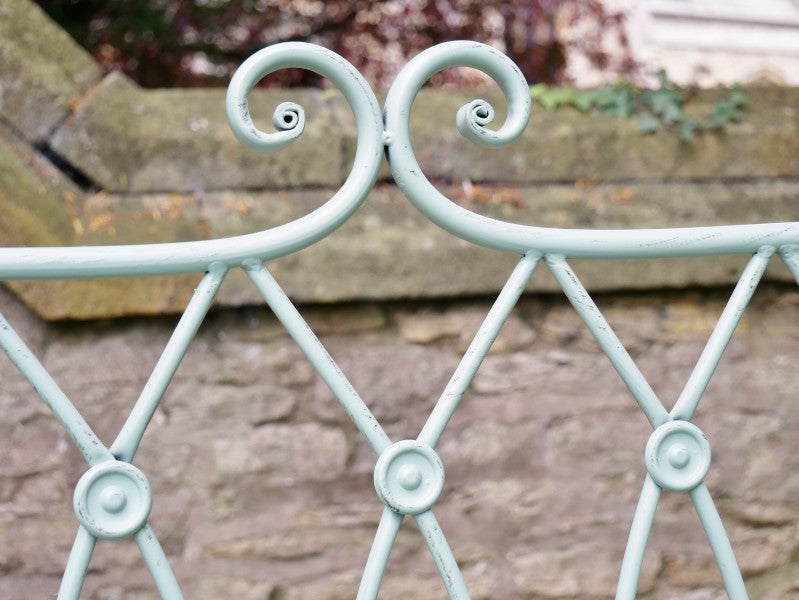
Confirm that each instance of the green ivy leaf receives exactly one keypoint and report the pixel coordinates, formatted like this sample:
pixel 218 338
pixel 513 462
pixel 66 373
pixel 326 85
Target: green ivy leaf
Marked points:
pixel 606 98
pixel 538 90
pixel 662 107
pixel 739 97
pixel 626 103
pixel 583 100
pixel 617 100
pixel 672 113
pixel 688 129
pixel 648 123
pixel 725 111
pixel 667 104
pixel 552 98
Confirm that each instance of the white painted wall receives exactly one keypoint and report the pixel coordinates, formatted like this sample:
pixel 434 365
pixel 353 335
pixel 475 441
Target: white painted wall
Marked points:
pixel 708 42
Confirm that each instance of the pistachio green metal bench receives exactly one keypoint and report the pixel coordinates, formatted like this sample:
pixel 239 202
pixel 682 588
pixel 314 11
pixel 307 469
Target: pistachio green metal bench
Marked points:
pixel 112 499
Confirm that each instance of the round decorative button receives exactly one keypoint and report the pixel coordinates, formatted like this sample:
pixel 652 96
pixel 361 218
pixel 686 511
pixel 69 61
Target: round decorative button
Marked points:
pixel 678 456
pixel 409 477
pixel 113 500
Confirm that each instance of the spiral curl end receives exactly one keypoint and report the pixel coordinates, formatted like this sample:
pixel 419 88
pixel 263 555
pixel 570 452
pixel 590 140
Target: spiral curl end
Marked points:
pixel 289 116
pixel 472 119
pixel 288 119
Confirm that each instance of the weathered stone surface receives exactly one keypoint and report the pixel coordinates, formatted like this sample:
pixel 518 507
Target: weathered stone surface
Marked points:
pixel 263 487
pixel 579 570
pixel 125 138
pixel 211 588
pixel 566 145
pixel 45 73
pixel 427 326
pixel 382 367
pixel 35 198
pixel 97 298
pixel 151 219
pixel 281 454
pixel 377 254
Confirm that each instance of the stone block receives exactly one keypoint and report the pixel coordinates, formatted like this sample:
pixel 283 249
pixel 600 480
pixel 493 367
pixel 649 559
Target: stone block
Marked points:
pixel 283 454
pixel 45 73
pixel 388 250
pixel 128 139
pixel 566 145
pixel 578 571
pixel 35 198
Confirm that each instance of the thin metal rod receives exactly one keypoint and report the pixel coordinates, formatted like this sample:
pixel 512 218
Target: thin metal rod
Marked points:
pixel 87 441
pixel 378 555
pixel 158 564
pixel 442 555
pixel 77 565
pixel 473 358
pixel 608 341
pixel 722 333
pixel 719 542
pixel 338 383
pixel 129 437
pixel 636 543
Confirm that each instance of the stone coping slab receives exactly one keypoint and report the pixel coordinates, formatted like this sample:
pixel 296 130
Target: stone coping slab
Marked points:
pixel 127 139
pixel 388 251
pixel 35 197
pixel 43 72
pixel 124 138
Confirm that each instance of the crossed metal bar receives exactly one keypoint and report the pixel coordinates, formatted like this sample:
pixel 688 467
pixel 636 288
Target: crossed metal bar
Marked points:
pixel 112 499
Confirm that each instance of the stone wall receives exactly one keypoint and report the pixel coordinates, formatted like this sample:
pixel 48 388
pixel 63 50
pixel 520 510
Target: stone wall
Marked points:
pixel 263 488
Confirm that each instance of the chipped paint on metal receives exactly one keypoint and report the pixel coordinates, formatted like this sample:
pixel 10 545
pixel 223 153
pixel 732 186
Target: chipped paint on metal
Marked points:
pixel 409 475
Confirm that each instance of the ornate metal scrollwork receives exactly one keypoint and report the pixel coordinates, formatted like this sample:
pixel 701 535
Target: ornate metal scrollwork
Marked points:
pixel 113 498
pixel 197 256
pixel 471 120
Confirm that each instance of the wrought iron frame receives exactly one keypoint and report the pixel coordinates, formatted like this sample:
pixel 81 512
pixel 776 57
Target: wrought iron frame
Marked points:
pixel 113 498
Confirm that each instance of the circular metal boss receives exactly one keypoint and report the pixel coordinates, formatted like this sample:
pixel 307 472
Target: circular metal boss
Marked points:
pixel 113 500
pixel 409 477
pixel 678 456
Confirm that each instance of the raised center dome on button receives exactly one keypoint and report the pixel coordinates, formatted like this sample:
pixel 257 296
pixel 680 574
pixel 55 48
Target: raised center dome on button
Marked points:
pixel 679 456
pixel 409 477
pixel 113 499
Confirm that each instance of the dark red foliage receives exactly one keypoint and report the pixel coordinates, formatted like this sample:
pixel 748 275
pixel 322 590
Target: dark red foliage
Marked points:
pixel 162 43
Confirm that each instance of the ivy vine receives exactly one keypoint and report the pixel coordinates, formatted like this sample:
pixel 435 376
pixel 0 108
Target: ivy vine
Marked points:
pixel 656 109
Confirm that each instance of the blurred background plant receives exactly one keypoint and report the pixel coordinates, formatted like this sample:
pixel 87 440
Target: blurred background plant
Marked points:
pixel 187 43
pixel 656 108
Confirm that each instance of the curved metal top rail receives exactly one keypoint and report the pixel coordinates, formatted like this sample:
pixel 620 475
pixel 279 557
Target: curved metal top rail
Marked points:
pixel 197 256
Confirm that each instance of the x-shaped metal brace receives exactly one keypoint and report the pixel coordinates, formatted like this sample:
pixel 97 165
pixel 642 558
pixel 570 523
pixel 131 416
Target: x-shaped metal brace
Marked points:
pixel 677 455
pixel 408 475
pixel 112 499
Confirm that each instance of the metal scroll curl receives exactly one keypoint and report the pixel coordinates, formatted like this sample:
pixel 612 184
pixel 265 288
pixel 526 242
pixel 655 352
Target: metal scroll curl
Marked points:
pixel 527 239
pixel 197 256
